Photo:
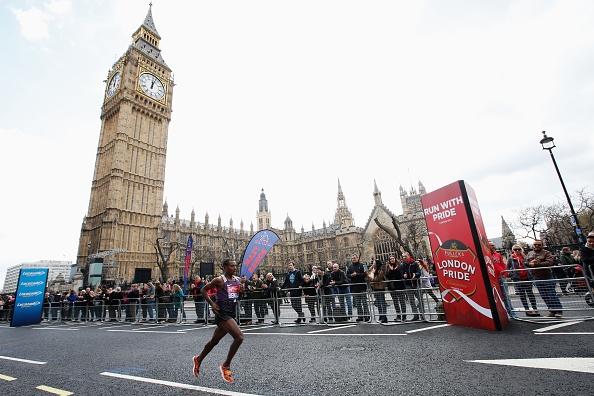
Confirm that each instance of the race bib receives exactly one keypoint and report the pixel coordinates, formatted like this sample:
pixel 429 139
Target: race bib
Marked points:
pixel 233 292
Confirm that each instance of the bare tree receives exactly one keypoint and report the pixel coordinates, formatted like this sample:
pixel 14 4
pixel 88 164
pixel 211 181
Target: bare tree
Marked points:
pixel 531 221
pixel 585 211
pixel 395 233
pixel 163 255
pixel 231 248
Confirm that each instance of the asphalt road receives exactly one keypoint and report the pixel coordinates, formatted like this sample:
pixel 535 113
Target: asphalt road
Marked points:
pixel 351 359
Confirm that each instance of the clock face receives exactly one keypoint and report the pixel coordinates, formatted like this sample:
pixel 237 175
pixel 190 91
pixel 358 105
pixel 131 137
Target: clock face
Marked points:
pixel 114 83
pixel 152 86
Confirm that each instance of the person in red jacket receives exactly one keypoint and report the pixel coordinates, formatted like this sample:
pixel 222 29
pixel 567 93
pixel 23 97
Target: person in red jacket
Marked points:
pixel 500 266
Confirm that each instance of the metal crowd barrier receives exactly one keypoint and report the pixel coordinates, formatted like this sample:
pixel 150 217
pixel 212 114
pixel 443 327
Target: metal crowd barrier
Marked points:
pixel 568 295
pixel 394 303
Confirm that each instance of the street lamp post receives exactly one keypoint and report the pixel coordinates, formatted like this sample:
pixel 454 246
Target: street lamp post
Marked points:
pixel 547 144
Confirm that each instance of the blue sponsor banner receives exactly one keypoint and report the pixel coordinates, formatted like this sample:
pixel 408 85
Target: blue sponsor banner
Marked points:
pixel 28 303
pixel 256 250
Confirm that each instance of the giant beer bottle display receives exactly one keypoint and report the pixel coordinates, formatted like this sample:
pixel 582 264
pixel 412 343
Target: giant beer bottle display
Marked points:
pixel 470 292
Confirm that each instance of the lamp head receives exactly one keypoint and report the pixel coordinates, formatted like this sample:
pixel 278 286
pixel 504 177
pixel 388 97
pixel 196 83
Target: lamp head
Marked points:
pixel 547 142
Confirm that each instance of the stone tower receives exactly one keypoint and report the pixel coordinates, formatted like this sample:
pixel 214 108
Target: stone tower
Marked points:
pixel 125 206
pixel 263 215
pixel 343 216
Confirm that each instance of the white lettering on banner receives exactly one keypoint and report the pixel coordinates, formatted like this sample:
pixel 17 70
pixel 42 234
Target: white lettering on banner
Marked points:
pixel 461 270
pixel 447 209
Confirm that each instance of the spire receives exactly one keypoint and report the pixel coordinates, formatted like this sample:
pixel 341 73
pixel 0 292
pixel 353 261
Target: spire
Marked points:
pixel 263 202
pixel 377 195
pixel 146 39
pixel 422 188
pixel 165 209
pixel 343 216
pixel 148 23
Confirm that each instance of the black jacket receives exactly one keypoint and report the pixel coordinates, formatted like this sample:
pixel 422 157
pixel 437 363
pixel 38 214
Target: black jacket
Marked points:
pixel 358 284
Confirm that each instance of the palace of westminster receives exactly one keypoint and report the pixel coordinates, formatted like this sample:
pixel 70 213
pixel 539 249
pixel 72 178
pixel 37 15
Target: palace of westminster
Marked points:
pixel 128 222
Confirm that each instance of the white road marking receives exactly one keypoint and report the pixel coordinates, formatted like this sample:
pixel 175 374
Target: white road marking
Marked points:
pixel 56 328
pixel 7 378
pixel 331 329
pixel 21 360
pixel 581 365
pixel 177 385
pixel 55 391
pixel 148 331
pixel 258 328
pixel 556 326
pixel 328 334
pixel 565 334
pixel 426 328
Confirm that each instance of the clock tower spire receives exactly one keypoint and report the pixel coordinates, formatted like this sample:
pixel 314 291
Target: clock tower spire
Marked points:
pixel 125 206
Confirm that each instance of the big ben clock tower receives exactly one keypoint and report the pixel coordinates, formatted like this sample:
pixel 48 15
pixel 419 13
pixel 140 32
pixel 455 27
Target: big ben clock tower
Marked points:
pixel 127 191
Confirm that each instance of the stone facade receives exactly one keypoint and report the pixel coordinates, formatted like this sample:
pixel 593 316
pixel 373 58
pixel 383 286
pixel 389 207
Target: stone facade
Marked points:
pixel 127 223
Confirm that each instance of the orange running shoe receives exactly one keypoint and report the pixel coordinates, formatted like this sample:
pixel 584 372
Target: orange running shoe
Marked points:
pixel 196 360
pixel 226 373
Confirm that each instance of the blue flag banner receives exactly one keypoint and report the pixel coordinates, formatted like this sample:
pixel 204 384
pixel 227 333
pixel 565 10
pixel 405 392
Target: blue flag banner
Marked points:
pixel 256 250
pixel 28 303
pixel 188 259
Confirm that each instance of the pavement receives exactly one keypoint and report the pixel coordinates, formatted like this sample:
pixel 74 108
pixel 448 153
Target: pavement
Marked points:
pixel 89 358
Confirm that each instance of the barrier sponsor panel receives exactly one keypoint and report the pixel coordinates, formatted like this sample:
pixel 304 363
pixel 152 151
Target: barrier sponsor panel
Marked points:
pixel 30 291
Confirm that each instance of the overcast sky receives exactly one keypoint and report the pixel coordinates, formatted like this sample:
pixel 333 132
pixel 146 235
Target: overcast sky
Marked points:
pixel 292 96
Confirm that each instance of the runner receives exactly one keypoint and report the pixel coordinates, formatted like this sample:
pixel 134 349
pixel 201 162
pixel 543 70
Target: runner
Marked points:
pixel 228 290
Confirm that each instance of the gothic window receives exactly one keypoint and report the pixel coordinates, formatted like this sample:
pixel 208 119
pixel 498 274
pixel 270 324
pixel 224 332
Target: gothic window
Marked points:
pixel 320 244
pixel 345 242
pixel 166 238
pixel 309 246
pixel 383 245
pixel 197 241
pixel 333 243
pixel 182 239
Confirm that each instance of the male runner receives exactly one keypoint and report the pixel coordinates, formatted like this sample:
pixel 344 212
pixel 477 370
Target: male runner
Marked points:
pixel 228 289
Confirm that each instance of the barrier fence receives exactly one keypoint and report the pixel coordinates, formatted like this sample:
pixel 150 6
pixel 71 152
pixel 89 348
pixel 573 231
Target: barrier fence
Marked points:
pixel 569 294
pixel 566 294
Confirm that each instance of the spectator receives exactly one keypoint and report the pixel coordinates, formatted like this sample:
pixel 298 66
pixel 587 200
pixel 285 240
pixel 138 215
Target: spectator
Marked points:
pixel 541 261
pixel 411 272
pixel 257 296
pixel 522 279
pixel 198 299
pixel 499 266
pixel 338 285
pixel 568 271
pixel 161 304
pixel 293 282
pixel 72 298
pixel 270 286
pixel 376 277
pixel 177 295
pixel 426 286
pixel 396 288
pixel 586 254
pixel 98 305
pixel 309 290
pixel 246 302
pixel 149 300
pixel 132 299
pixel 115 304
pixel 323 288
pixel 356 272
